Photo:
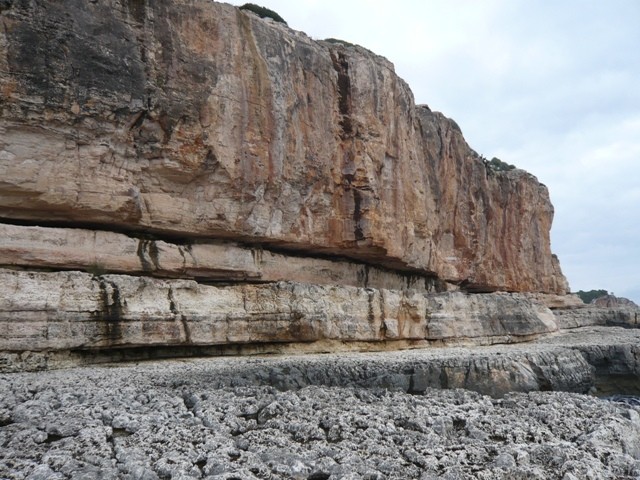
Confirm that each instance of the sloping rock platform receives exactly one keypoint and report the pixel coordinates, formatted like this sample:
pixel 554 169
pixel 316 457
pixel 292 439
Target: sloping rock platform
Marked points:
pixel 334 416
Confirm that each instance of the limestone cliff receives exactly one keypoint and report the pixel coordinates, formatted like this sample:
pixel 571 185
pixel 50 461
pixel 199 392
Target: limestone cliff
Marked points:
pixel 222 181
pixel 193 119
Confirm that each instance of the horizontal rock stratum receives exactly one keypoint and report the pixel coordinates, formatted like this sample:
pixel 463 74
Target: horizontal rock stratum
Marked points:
pixel 193 119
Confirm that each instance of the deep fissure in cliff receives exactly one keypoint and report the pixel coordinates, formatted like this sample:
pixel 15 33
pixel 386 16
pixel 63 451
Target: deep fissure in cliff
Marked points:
pixel 341 66
pixel 345 107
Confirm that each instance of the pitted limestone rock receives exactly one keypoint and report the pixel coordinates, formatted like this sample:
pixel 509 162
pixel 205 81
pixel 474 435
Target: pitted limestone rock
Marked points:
pixel 160 420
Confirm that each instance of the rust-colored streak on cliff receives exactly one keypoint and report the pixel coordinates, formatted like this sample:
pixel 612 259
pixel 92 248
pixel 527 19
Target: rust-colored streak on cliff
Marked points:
pixel 195 119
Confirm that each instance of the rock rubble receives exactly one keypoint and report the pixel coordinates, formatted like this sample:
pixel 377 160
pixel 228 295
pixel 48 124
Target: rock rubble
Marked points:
pixel 212 419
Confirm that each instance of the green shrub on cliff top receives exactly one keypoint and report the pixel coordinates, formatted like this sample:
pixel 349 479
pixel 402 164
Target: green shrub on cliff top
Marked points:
pixel 587 297
pixel 263 12
pixel 499 166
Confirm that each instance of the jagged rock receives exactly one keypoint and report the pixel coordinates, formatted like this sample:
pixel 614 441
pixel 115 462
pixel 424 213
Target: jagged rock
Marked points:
pixel 557 302
pixel 211 418
pixel 571 312
pixel 586 315
pixel 197 120
pixel 63 311
pixel 583 317
pixel 611 301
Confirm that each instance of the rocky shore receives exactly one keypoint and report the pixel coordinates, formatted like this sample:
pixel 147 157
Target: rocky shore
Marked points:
pixel 333 416
pixel 184 179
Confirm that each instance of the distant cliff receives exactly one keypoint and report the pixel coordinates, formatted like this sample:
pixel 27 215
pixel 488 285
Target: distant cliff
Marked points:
pixel 195 142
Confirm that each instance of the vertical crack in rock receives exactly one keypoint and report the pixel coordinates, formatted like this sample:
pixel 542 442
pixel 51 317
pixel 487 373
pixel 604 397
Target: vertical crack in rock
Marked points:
pixel 357 214
pixel 341 66
pixel 172 303
pixel 186 328
pixel 184 258
pixel 345 107
pixel 179 316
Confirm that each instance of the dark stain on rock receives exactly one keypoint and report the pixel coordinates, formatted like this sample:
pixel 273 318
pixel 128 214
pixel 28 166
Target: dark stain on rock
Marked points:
pixel 146 264
pixel 111 309
pixel 136 9
pixel 5 5
pixel 370 313
pixel 341 66
pixel 167 125
pixel 444 379
pixel 358 199
pixel 54 58
pixel 363 276
pixel 153 253
pixel 357 214
pixel 148 254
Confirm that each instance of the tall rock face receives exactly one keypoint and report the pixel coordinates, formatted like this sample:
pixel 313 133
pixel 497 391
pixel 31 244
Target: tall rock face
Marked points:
pixel 191 120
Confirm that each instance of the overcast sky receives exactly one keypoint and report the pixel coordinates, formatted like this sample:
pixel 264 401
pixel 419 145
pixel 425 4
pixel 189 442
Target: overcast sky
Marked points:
pixel 549 86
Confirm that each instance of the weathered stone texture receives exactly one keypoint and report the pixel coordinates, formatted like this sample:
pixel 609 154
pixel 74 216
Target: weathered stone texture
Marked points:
pixel 195 119
pixel 175 420
pixel 62 311
pixel 590 315
pixel 99 252
pixel 557 302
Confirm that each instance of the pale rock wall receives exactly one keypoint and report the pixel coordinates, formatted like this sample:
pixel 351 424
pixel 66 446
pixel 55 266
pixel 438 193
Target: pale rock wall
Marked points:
pixel 591 315
pixel 66 311
pixel 557 302
pixel 571 312
pixel 193 119
pixel 99 252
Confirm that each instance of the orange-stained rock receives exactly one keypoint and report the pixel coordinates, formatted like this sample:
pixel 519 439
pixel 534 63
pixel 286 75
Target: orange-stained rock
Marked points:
pixel 197 120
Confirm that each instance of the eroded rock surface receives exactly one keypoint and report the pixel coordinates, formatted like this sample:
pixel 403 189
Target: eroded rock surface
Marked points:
pixel 70 311
pixel 324 416
pixel 100 252
pixel 605 313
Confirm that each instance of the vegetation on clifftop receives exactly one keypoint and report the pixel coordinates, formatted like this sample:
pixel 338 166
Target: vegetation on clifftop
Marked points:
pixel 263 12
pixel 497 165
pixel 589 296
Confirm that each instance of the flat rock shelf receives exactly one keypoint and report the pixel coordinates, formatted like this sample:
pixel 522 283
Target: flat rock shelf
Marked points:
pixel 333 416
